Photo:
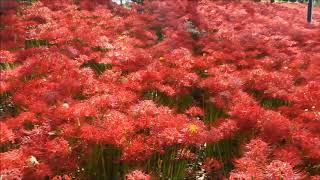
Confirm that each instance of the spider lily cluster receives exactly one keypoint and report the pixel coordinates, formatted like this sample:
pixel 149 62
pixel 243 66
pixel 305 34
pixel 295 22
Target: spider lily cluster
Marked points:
pixel 159 90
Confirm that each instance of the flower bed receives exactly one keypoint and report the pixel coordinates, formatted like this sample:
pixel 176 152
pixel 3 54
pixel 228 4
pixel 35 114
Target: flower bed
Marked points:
pixel 164 89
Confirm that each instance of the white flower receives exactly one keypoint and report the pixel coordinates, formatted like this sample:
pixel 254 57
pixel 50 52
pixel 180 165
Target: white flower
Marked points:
pixel 32 161
pixel 65 105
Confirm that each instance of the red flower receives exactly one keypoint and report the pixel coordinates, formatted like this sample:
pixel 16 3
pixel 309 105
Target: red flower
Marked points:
pixel 290 154
pixel 195 111
pixel 211 165
pixel 280 170
pixel 58 146
pixel 12 164
pixel 6 134
pixel 137 175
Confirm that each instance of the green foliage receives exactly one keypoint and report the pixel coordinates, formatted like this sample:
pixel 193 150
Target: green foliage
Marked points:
pixel 6 65
pixel 98 48
pixel 98 68
pixel 32 76
pixel 312 168
pixel 103 163
pixel 159 33
pixel 211 112
pixel 8 146
pixel 180 102
pixel 269 102
pixel 167 165
pixel 197 49
pixel 138 1
pixel 26 1
pixel 28 125
pixel 317 2
pixel 7 107
pixel 31 43
pixel 202 73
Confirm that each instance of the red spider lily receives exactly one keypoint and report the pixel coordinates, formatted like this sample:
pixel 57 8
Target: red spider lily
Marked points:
pixel 149 76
